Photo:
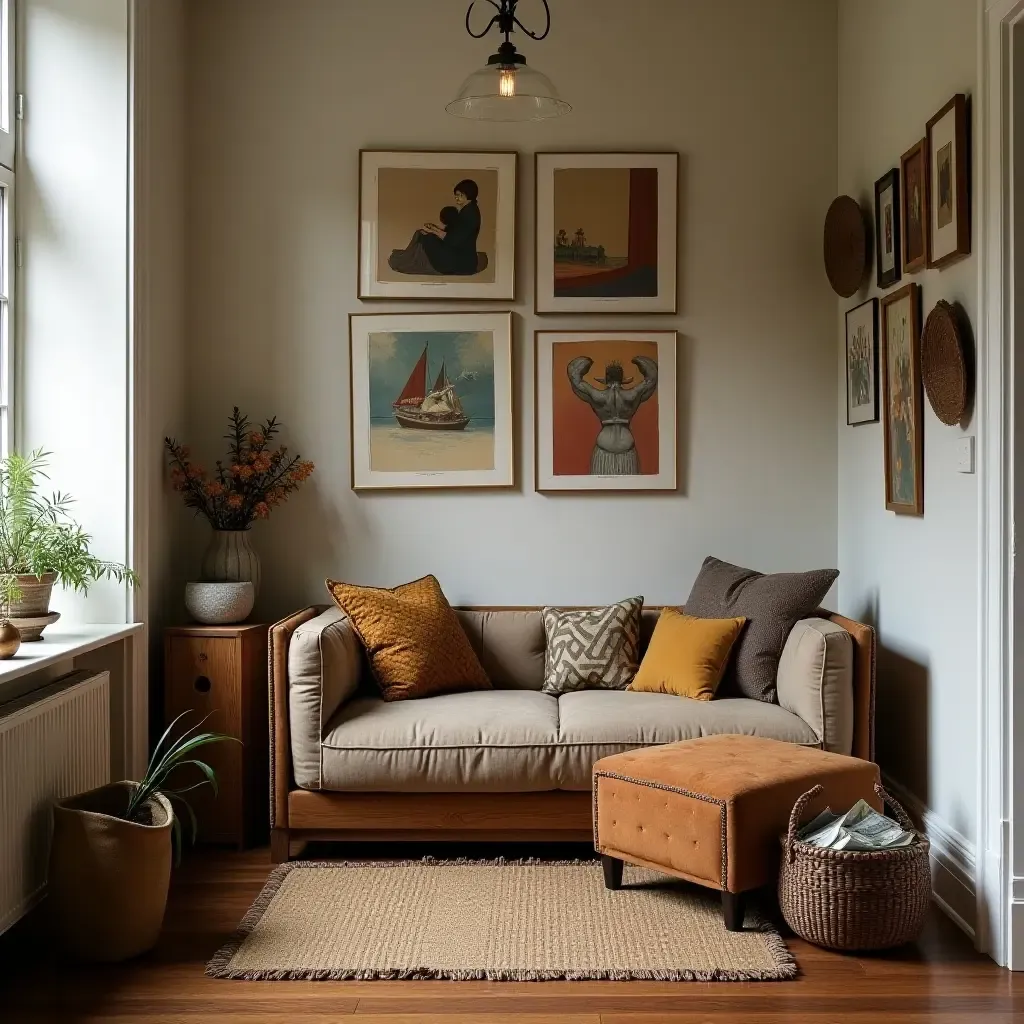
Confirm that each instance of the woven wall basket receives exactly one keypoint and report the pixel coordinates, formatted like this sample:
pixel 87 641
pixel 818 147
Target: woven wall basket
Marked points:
pixel 943 366
pixel 845 246
pixel 844 899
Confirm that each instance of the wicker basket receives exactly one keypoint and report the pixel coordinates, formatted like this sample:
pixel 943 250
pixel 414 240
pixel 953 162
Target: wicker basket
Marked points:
pixel 854 900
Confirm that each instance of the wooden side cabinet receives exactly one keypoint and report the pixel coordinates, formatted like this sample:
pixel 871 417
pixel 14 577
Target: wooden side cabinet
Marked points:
pixel 221 671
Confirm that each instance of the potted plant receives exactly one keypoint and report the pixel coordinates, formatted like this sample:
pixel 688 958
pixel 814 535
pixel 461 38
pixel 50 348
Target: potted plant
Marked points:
pixel 40 544
pixel 255 479
pixel 112 850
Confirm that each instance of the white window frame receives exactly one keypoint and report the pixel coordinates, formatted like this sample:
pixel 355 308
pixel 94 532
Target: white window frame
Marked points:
pixel 7 241
pixel 7 101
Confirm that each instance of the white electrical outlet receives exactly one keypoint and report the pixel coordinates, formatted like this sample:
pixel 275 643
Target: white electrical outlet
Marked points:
pixel 964 454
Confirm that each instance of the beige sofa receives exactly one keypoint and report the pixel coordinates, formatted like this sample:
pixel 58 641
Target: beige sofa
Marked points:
pixel 511 762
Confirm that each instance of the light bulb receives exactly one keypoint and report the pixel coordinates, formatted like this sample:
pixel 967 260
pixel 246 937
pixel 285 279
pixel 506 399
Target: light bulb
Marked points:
pixel 507 82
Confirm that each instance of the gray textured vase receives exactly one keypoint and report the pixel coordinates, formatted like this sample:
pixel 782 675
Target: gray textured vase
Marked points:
pixel 230 559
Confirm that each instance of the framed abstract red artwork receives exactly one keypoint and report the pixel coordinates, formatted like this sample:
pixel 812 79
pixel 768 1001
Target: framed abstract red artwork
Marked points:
pixel 606 232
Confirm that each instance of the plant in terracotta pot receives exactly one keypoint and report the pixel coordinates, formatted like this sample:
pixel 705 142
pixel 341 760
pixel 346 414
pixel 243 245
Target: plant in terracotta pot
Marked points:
pixel 255 479
pixel 112 850
pixel 40 545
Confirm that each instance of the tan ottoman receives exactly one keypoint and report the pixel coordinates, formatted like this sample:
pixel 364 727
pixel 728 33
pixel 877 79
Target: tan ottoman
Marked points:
pixel 711 810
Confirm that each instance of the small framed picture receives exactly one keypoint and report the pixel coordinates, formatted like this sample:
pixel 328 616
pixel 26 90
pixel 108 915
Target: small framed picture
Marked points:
pixel 949 224
pixel 914 207
pixel 862 363
pixel 888 256
pixel 431 400
pixel 437 225
pixel 902 393
pixel 606 232
pixel 605 406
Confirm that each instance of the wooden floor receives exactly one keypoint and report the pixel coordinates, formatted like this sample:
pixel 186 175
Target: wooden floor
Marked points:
pixel 940 980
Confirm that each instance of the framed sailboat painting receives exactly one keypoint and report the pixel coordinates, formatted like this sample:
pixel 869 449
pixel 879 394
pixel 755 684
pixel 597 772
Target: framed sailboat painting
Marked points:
pixel 431 400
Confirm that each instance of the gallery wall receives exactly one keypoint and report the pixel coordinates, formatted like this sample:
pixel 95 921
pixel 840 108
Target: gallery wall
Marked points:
pixel 915 578
pixel 281 97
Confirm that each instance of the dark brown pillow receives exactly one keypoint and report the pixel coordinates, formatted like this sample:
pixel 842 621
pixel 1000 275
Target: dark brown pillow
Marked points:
pixel 772 605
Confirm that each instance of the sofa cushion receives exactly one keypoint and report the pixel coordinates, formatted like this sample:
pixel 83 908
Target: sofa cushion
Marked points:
pixel 686 656
pixel 509 643
pixel 412 637
pixel 597 723
pixel 592 647
pixel 772 605
pixel 325 662
pixel 485 741
pixel 816 680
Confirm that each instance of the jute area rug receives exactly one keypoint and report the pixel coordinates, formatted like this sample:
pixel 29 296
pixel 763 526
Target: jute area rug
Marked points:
pixel 494 920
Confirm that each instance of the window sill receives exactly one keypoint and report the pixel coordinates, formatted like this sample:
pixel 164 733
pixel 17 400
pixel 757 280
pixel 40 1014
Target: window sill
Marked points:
pixel 63 643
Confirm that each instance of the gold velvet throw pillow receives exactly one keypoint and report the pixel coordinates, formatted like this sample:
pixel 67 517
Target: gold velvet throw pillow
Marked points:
pixel 687 656
pixel 412 637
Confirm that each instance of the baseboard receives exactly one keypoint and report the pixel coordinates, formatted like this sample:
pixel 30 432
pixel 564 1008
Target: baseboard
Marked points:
pixel 952 857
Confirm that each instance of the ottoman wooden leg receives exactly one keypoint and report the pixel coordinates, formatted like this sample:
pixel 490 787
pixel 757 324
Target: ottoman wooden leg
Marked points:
pixel 733 910
pixel 612 872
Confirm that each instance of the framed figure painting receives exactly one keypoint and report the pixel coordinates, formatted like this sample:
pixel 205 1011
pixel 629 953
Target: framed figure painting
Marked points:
pixel 902 416
pixel 605 410
pixel 862 363
pixel 949 226
pixel 606 232
pixel 431 400
pixel 914 207
pixel 437 225
pixel 888 257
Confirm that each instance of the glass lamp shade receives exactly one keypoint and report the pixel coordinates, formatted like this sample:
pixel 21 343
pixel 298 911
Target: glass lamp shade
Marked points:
pixel 508 92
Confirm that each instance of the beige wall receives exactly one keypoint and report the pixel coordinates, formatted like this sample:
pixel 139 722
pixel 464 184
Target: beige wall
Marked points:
pixel 281 98
pixel 160 266
pixel 899 62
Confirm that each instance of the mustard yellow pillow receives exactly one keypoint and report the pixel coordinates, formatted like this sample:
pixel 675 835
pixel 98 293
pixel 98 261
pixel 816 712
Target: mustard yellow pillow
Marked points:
pixel 686 656
pixel 412 637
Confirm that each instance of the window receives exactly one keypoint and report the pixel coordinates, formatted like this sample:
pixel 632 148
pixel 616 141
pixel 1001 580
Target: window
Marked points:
pixel 7 83
pixel 6 294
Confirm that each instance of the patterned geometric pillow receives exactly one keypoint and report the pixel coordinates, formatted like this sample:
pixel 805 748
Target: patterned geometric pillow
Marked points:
pixel 592 648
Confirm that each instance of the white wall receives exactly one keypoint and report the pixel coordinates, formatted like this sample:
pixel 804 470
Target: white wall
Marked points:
pixel 73 350
pixel 282 97
pixel 160 162
pixel 899 62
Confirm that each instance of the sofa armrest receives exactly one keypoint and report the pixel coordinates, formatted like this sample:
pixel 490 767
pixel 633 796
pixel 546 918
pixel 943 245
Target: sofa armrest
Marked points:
pixel 324 667
pixel 280 742
pixel 815 681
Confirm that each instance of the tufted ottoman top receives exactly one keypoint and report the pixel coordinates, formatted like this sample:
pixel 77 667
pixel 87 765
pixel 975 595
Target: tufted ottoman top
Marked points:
pixel 711 810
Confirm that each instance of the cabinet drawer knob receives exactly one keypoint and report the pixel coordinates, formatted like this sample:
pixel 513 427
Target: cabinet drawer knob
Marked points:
pixel 202 656
pixel 202 684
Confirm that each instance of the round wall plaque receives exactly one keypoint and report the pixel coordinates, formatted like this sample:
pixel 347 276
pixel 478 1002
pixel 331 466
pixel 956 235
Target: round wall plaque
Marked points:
pixel 943 366
pixel 846 246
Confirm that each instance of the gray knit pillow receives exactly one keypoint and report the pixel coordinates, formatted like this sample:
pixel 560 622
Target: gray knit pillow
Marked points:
pixel 772 606
pixel 592 648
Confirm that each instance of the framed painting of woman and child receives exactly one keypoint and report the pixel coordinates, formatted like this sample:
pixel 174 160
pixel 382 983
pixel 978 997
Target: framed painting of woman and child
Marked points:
pixel 437 225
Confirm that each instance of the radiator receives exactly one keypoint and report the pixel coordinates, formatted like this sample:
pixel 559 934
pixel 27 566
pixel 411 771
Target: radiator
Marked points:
pixel 53 743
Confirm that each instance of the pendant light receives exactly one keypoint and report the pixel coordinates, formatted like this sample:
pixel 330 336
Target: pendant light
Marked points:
pixel 506 89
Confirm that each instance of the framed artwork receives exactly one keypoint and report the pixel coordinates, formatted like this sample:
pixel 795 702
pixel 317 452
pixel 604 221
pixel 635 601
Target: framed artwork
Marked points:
pixel 914 207
pixel 431 400
pixel 606 232
pixel 949 225
pixel 888 256
pixel 862 363
pixel 902 416
pixel 605 406
pixel 437 225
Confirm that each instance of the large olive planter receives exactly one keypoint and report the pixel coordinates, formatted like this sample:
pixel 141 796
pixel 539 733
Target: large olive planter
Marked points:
pixel 108 881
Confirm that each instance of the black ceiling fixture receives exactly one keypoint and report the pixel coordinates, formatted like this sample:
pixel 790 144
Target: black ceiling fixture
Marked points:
pixel 507 89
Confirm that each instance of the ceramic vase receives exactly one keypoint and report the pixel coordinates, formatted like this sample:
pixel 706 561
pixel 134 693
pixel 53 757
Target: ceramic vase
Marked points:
pixel 229 558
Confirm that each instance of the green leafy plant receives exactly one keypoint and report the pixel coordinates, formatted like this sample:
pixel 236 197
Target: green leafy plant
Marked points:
pixel 38 534
pixel 168 756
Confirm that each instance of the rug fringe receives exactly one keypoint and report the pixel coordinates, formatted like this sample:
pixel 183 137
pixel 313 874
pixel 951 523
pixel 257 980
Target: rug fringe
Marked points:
pixel 785 967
